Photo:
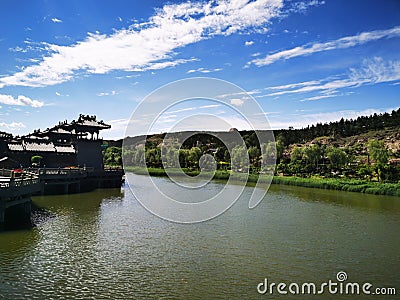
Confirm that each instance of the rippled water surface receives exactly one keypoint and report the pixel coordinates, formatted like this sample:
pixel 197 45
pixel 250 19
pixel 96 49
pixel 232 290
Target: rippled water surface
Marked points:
pixel 105 245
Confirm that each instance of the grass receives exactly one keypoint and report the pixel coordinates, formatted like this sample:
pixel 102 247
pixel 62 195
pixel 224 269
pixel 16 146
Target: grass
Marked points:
pixel 340 184
pixel 348 185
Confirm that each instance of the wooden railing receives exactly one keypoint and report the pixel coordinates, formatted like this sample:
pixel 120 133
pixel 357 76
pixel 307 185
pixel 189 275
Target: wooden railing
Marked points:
pixel 12 179
pixel 5 172
pixel 59 171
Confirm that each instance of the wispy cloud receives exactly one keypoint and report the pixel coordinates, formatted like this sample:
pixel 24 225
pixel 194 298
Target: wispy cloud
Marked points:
pixel 55 20
pixel 112 93
pixel 372 71
pixel 319 97
pixel 193 108
pixel 237 102
pixel 300 6
pixel 61 95
pixel 12 125
pixel 147 46
pixel 20 101
pixel 204 70
pixel 342 43
pixel 248 43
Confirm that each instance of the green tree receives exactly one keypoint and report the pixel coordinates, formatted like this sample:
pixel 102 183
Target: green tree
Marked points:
pixel 337 157
pixel 35 160
pixel 240 158
pixel 365 171
pixel 380 154
pixel 280 147
pixel 312 154
pixel 139 156
pixel 254 156
pixel 153 157
pixel 113 156
pixel 184 158
pixel 194 157
pixel 296 154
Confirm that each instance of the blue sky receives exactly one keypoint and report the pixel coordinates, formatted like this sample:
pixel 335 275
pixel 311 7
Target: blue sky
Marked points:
pixel 302 61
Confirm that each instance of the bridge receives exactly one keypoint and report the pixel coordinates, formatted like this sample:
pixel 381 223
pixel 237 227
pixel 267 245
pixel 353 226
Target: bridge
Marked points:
pixel 16 188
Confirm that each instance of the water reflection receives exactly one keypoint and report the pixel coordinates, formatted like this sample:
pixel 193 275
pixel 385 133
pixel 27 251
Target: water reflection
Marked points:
pixel 353 199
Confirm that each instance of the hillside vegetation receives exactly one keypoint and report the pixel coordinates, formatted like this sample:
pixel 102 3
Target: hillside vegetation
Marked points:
pixel 366 149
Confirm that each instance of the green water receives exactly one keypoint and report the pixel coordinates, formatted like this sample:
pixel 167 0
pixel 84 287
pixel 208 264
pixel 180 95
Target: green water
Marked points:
pixel 105 245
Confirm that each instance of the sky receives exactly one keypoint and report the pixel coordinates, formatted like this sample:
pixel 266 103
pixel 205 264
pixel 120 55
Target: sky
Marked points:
pixel 303 62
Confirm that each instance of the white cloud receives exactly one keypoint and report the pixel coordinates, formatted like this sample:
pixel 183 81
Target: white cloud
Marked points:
pixel 12 125
pixel 193 108
pixel 55 20
pixel 302 6
pixel 372 71
pixel 18 49
pixel 237 102
pixel 294 85
pixel 112 93
pixel 20 101
pixel 249 43
pixel 342 43
pixel 319 97
pixel 203 70
pixel 149 45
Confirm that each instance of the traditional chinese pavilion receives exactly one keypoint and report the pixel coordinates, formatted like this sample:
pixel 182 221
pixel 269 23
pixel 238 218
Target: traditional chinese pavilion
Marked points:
pixel 75 143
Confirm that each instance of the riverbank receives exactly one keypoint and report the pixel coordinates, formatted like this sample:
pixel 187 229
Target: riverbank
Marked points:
pixel 340 184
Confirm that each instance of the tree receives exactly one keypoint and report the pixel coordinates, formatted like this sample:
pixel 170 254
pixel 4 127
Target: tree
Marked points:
pixel 194 157
pixel 183 158
pixel 365 171
pixel 113 156
pixel 312 154
pixel 280 147
pixel 337 157
pixel 35 160
pixel 153 157
pixel 139 156
pixel 240 158
pixel 378 152
pixel 254 155
pixel 296 154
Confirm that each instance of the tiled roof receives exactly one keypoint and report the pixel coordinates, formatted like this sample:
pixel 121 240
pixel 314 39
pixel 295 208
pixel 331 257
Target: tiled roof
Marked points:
pixel 40 147
pixel 65 149
pixel 15 147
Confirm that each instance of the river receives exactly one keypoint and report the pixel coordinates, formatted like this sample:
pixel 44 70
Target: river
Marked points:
pixel 105 245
